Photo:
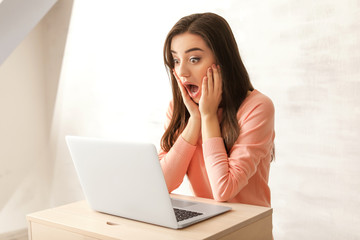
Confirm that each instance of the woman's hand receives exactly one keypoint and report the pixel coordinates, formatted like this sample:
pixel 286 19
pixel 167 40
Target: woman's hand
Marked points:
pixel 211 92
pixel 191 106
pixel 192 130
pixel 209 103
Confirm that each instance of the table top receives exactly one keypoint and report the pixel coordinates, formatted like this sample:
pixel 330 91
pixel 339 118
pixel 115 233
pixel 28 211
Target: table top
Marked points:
pixel 78 217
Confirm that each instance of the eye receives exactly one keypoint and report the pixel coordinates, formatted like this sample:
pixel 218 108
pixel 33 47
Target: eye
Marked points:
pixel 194 59
pixel 176 61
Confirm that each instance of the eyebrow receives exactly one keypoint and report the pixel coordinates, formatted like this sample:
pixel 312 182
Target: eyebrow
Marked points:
pixel 190 50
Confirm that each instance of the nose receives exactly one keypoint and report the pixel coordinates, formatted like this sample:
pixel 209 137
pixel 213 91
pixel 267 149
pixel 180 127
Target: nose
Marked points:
pixel 183 70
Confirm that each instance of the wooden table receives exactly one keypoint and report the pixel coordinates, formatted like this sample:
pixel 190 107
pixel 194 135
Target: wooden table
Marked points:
pixel 77 221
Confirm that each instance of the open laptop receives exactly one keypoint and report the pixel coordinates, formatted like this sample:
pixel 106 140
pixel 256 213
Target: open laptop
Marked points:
pixel 125 179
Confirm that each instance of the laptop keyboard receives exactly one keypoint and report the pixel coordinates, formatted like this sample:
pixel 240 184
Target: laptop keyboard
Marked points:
pixel 185 214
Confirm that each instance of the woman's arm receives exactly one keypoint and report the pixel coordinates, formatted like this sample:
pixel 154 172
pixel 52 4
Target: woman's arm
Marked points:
pixel 175 162
pixel 229 174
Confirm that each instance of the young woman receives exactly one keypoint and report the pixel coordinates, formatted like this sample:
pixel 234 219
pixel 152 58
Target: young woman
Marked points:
pixel 219 129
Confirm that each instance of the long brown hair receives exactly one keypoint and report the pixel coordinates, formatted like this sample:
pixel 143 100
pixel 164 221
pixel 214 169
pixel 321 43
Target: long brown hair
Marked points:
pixel 216 32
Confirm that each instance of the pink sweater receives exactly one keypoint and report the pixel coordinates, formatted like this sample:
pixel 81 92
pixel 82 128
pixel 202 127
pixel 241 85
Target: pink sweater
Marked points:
pixel 241 177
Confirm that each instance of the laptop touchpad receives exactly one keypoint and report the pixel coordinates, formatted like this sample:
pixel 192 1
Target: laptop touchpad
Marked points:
pixel 181 203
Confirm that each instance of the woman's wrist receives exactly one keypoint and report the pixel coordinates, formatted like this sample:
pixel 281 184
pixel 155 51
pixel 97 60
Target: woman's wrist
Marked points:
pixel 192 130
pixel 210 126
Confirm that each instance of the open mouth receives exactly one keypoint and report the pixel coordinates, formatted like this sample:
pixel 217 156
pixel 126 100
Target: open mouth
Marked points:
pixel 192 89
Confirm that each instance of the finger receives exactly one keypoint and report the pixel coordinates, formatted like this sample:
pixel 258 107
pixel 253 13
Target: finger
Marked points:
pixel 175 75
pixel 185 96
pixel 217 78
pixel 204 90
pixel 210 85
pixel 181 87
pixel 178 80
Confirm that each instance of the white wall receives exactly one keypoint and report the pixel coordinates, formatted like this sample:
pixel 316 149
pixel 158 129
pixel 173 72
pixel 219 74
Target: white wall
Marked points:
pixel 23 135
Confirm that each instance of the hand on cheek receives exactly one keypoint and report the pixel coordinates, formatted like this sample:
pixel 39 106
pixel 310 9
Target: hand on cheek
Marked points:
pixel 211 92
pixel 192 130
pixel 189 103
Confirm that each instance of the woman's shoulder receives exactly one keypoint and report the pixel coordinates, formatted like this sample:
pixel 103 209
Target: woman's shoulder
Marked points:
pixel 260 98
pixel 256 102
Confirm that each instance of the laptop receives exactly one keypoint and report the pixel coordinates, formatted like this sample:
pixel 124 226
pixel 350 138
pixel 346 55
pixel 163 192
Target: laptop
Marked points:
pixel 125 179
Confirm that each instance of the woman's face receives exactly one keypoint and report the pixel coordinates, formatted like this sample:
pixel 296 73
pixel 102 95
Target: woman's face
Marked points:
pixel 192 57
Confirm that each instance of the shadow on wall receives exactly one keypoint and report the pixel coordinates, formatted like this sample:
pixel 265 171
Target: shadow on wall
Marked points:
pixel 13 28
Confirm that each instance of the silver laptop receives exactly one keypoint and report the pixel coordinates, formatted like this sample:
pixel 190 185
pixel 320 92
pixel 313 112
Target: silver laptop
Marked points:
pixel 125 179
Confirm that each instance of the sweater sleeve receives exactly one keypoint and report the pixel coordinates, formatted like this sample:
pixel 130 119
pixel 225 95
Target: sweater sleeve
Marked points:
pixel 229 174
pixel 175 162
